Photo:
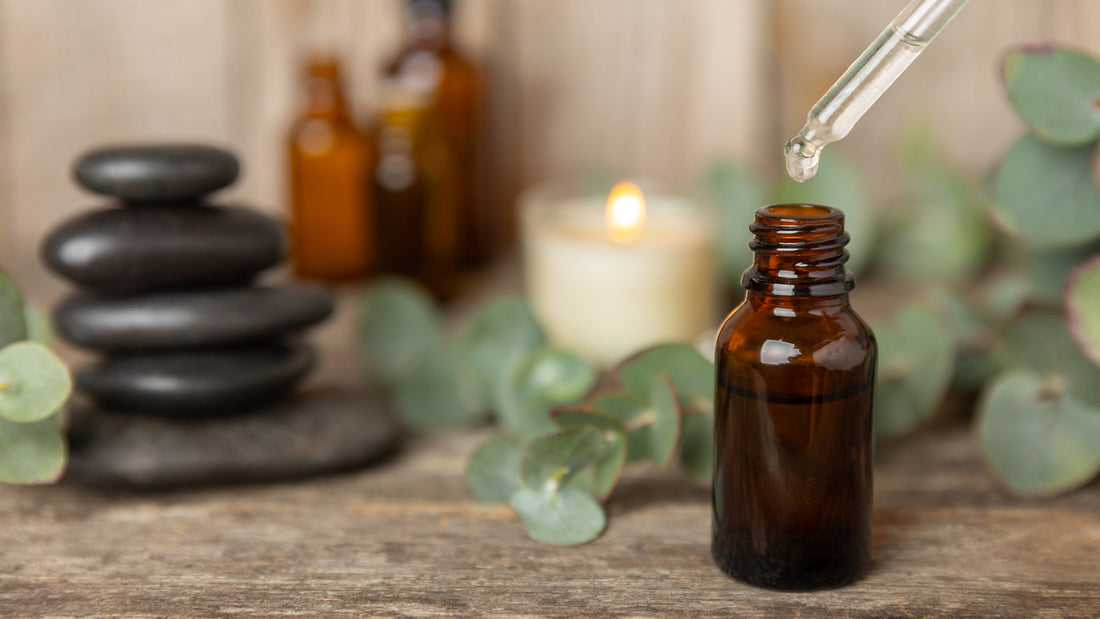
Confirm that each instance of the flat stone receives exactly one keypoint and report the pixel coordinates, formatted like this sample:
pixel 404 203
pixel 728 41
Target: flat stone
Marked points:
pixel 190 319
pixel 324 429
pixel 198 383
pixel 120 251
pixel 156 172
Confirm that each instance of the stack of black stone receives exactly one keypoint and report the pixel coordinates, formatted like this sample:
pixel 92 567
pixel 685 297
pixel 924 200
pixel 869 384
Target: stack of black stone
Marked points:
pixel 196 358
pixel 167 288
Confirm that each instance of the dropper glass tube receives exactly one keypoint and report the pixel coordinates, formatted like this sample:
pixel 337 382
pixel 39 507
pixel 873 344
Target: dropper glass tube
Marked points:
pixel 864 82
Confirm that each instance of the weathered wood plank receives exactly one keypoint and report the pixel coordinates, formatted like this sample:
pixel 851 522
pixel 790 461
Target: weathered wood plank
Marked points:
pixel 407 539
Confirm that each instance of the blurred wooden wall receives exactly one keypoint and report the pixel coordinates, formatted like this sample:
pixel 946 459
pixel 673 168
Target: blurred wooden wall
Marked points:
pixel 658 87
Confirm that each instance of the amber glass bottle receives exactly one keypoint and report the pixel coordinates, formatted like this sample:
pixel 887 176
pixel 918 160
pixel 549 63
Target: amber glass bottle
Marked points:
pixel 415 194
pixel 430 65
pixel 331 220
pixel 793 410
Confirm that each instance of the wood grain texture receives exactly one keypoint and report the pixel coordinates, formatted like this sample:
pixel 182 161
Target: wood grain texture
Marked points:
pixel 407 539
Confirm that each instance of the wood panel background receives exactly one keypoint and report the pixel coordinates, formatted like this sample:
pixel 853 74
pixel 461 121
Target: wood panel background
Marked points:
pixel 656 87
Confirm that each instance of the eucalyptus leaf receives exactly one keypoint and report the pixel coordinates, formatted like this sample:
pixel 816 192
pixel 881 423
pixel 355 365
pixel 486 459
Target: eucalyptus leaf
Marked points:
pixel 39 328
pixel 32 453
pixel 838 183
pixel 1048 271
pixel 1055 91
pixel 13 327
pixel 1083 307
pixel 665 431
pixel 34 383
pixel 584 415
pixel 565 517
pixel 501 336
pixel 1038 439
pixel 429 396
pixel 916 359
pixel 1040 342
pixel 691 374
pixel 636 418
pixel 610 467
pixel 549 462
pixel 1006 294
pixel 737 193
pixel 493 470
pixel 697 446
pixel 944 224
pixel 550 378
pixel 1046 193
pixel 399 327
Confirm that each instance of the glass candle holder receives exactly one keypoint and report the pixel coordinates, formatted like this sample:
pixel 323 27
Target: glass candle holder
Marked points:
pixel 607 278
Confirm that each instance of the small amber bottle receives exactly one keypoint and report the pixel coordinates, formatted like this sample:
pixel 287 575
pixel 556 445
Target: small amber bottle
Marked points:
pixel 331 219
pixel 415 194
pixel 793 411
pixel 432 65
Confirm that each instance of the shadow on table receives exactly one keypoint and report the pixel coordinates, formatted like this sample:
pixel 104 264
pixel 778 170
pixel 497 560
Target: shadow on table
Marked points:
pixel 648 490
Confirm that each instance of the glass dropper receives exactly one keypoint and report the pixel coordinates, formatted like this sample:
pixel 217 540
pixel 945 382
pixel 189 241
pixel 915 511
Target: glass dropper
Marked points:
pixel 864 82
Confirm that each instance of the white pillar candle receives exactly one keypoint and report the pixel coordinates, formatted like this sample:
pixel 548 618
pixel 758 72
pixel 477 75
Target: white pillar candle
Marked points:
pixel 606 290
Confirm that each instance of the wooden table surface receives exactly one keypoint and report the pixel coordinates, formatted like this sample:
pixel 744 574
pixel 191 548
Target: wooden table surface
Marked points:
pixel 406 538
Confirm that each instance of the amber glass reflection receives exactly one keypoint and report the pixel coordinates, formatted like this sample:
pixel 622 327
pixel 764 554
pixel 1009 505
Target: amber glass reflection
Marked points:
pixel 331 223
pixel 795 393
pixel 429 65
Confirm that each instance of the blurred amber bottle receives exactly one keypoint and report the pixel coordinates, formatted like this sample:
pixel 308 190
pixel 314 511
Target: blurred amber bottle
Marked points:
pixel 415 193
pixel 431 70
pixel 331 219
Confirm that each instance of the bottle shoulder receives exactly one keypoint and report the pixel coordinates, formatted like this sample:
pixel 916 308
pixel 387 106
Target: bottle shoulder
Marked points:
pixel 834 338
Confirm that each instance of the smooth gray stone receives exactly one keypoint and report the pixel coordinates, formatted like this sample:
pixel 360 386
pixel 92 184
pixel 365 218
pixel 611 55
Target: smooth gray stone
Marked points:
pixel 198 383
pixel 156 172
pixel 190 319
pixel 120 251
pixel 320 430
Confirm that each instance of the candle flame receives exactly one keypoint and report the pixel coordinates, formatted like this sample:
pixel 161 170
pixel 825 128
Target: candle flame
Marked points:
pixel 625 212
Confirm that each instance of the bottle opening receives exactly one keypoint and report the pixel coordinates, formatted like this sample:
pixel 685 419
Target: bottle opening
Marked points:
pixel 801 211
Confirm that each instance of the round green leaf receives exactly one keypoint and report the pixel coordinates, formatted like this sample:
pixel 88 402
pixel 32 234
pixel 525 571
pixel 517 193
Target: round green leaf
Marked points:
pixel 13 327
pixel 32 453
pixel 944 224
pixel 1056 91
pixel 691 374
pixel 636 418
pixel 429 397
pixel 493 470
pixel 610 467
pixel 916 361
pixel 1041 342
pixel 550 461
pixel 697 446
pixel 1046 194
pixel 34 383
pixel 398 328
pixel 1083 307
pixel 1048 270
pixel 566 517
pixel 39 328
pixel 665 431
pixel 1039 440
pixel 737 193
pixel 550 378
pixel 501 336
pixel 584 415
pixel 838 184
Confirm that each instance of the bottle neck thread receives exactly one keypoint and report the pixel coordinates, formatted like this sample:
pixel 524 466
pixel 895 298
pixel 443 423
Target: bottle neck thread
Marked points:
pixel 799 252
